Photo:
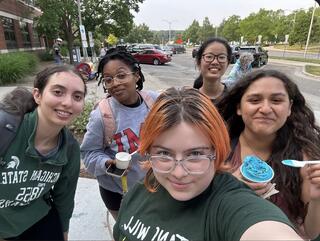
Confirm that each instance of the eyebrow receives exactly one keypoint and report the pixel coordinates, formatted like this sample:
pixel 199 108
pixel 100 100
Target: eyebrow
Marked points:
pixel 64 88
pixel 191 149
pixel 118 70
pixel 274 94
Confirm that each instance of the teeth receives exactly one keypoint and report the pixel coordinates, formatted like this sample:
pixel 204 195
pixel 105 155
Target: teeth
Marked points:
pixel 63 113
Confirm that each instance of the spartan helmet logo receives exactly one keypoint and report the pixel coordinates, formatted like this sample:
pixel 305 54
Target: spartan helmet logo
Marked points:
pixel 14 163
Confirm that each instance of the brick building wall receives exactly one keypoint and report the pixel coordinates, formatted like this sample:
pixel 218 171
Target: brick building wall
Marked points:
pixel 21 15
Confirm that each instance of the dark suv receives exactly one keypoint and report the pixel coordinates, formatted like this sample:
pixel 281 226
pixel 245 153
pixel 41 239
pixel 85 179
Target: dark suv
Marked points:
pixel 259 54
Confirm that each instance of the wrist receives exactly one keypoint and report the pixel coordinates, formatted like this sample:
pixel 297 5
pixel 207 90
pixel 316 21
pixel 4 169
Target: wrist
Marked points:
pixel 108 163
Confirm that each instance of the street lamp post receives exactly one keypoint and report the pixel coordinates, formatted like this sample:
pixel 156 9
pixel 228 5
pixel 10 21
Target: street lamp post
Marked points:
pixel 309 33
pixel 169 22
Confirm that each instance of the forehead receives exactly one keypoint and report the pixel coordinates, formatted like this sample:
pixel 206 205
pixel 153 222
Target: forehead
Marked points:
pixel 181 137
pixel 267 85
pixel 68 80
pixel 113 66
pixel 215 48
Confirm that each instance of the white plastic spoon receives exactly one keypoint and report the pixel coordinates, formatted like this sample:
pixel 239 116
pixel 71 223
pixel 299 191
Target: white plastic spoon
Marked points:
pixel 295 163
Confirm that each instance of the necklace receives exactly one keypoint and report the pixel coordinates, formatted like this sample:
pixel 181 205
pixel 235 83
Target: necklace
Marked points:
pixel 252 149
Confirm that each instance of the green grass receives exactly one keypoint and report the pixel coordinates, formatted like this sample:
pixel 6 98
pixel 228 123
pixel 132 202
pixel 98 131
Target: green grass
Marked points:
pixel 315 70
pixel 314 61
pixel 311 48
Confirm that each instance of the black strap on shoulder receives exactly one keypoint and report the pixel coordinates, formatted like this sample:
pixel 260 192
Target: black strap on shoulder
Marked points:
pixel 9 125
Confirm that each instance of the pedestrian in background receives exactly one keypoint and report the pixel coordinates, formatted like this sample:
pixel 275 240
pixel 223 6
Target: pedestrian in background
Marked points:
pixel 187 195
pixel 121 76
pixel 268 117
pixel 40 168
pixel 212 59
pixel 240 68
pixel 57 51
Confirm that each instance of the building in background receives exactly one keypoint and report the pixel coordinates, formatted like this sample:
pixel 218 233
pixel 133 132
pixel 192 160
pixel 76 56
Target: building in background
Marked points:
pixel 17 30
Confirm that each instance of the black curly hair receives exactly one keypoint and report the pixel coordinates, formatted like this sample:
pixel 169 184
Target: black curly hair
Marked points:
pixel 298 136
pixel 120 53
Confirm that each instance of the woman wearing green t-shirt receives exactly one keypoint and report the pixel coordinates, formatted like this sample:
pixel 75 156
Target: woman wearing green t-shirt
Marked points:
pixel 186 194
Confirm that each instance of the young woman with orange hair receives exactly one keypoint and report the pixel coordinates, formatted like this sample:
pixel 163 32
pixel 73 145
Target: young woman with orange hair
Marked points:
pixel 186 194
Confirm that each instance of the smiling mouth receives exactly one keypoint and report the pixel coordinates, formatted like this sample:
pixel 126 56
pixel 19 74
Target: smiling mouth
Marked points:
pixel 63 114
pixel 179 185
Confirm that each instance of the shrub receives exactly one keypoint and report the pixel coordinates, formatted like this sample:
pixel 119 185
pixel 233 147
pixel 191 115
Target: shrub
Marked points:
pixel 78 126
pixel 46 55
pixel 14 66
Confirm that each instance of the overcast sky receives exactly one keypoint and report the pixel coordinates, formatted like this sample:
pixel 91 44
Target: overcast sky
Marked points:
pixel 158 14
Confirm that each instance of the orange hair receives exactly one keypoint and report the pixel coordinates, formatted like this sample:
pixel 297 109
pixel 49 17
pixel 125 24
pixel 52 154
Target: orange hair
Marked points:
pixel 174 106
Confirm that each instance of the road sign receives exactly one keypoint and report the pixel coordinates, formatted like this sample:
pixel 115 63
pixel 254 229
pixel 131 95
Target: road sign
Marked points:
pixel 83 36
pixel 286 38
pixel 91 41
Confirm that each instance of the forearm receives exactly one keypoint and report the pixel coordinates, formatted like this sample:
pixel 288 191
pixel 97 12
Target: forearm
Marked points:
pixel 95 162
pixel 312 220
pixel 65 235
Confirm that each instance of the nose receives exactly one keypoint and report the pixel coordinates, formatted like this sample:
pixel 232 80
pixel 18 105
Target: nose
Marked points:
pixel 265 107
pixel 67 100
pixel 215 60
pixel 179 172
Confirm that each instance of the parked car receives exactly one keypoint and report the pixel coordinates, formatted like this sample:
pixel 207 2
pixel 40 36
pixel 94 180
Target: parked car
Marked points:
pixel 152 56
pixel 178 48
pixel 164 49
pixel 235 53
pixel 259 54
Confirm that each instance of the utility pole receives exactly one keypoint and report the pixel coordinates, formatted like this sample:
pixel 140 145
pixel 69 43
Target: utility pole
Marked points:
pixel 309 33
pixel 84 48
pixel 169 22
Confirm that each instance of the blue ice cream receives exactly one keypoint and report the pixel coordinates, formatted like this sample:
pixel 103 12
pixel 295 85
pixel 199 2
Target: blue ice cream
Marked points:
pixel 256 170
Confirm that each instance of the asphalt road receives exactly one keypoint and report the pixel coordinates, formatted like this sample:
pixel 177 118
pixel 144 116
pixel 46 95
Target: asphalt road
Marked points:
pixel 182 71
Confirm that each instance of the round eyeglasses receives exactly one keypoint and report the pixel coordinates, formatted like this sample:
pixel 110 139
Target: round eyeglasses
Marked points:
pixel 121 78
pixel 192 164
pixel 208 58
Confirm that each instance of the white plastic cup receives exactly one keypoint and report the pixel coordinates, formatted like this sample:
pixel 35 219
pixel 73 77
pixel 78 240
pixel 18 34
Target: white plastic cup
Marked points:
pixel 122 160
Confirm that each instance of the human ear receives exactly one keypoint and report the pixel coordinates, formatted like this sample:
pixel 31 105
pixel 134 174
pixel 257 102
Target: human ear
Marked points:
pixel 239 110
pixel 290 106
pixel 36 95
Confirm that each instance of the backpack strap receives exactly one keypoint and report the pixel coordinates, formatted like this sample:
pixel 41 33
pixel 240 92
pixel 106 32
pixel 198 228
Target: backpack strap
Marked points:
pixel 108 117
pixel 147 98
pixel 9 125
pixel 108 120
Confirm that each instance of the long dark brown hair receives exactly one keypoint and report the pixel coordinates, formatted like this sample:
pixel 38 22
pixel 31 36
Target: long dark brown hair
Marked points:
pixel 299 135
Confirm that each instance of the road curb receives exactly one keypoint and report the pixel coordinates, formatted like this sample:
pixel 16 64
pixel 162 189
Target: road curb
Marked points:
pixel 317 77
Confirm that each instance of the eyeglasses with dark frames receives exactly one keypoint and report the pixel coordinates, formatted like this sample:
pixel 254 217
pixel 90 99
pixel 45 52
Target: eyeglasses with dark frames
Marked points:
pixel 208 58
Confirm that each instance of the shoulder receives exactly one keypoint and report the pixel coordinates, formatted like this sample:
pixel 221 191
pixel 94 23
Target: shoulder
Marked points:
pixel 153 94
pixel 238 207
pixel 135 194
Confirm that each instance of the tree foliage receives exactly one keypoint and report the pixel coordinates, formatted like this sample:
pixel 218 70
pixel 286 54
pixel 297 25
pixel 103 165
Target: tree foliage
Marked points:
pixel 139 34
pixel 102 17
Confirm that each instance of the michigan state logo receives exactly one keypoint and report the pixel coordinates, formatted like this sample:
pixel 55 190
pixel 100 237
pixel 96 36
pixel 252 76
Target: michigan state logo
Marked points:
pixel 14 163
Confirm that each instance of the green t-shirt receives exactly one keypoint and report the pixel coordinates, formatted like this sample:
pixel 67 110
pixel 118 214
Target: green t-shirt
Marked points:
pixel 224 211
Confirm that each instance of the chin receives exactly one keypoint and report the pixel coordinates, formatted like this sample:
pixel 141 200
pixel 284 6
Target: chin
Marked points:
pixel 182 196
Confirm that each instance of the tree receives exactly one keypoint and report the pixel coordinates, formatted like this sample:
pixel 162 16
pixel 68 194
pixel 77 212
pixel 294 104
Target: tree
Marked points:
pixel 112 40
pixel 139 34
pixel 60 18
pixel 192 32
pixel 230 28
pixel 207 30
pixel 301 27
